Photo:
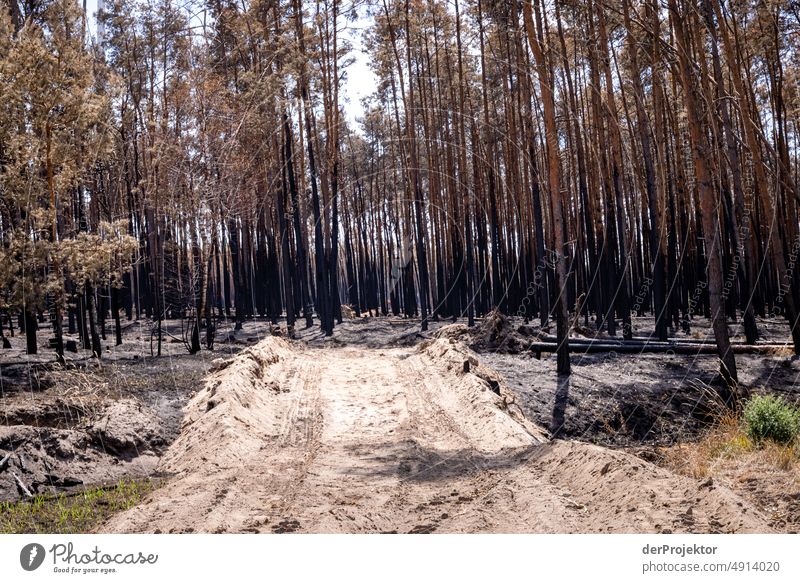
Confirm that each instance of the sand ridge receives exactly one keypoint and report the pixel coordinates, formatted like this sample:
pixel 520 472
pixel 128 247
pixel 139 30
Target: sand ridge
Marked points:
pixel 291 438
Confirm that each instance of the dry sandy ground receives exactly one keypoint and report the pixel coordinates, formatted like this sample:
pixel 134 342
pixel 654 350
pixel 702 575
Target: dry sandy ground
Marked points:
pixel 287 438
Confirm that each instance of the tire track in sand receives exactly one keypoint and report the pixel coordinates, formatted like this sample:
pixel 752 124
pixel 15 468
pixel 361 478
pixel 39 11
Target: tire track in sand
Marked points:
pixel 343 439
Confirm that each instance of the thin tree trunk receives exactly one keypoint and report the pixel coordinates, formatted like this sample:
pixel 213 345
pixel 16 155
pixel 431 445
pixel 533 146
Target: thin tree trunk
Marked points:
pixel 535 38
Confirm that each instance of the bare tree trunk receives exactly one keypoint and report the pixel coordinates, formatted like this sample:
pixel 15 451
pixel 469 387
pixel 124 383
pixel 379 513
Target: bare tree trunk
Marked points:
pixel 535 38
pixel 708 197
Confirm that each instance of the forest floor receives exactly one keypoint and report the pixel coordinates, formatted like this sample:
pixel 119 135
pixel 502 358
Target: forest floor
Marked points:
pixel 381 429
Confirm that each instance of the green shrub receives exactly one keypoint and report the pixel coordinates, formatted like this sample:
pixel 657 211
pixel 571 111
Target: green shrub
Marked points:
pixel 770 417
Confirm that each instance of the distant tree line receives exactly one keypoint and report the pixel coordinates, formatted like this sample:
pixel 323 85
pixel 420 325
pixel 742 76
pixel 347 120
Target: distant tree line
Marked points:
pixel 554 160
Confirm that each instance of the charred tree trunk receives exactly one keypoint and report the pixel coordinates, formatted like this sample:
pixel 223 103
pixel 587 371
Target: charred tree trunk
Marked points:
pixel 536 34
pixel 708 197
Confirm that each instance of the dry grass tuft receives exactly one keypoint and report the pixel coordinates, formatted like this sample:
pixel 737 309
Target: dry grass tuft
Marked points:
pixel 766 474
pixel 697 459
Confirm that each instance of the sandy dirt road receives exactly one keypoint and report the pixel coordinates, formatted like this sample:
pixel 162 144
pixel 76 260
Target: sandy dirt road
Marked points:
pixel 287 438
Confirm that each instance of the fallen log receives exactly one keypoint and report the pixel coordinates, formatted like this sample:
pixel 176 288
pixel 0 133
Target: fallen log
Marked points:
pixel 402 321
pixel 659 343
pixel 577 347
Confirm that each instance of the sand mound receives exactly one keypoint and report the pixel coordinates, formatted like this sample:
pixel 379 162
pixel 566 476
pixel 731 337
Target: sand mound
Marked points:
pixel 460 332
pixel 59 444
pixel 475 397
pixel 126 426
pixel 494 333
pixel 341 439
pixel 623 493
pixel 229 418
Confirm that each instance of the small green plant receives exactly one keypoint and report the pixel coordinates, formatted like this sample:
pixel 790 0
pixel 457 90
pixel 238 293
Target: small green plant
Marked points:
pixel 736 445
pixel 770 417
pixel 76 512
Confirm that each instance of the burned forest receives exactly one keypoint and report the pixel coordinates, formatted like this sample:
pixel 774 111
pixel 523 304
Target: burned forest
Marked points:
pixel 599 199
